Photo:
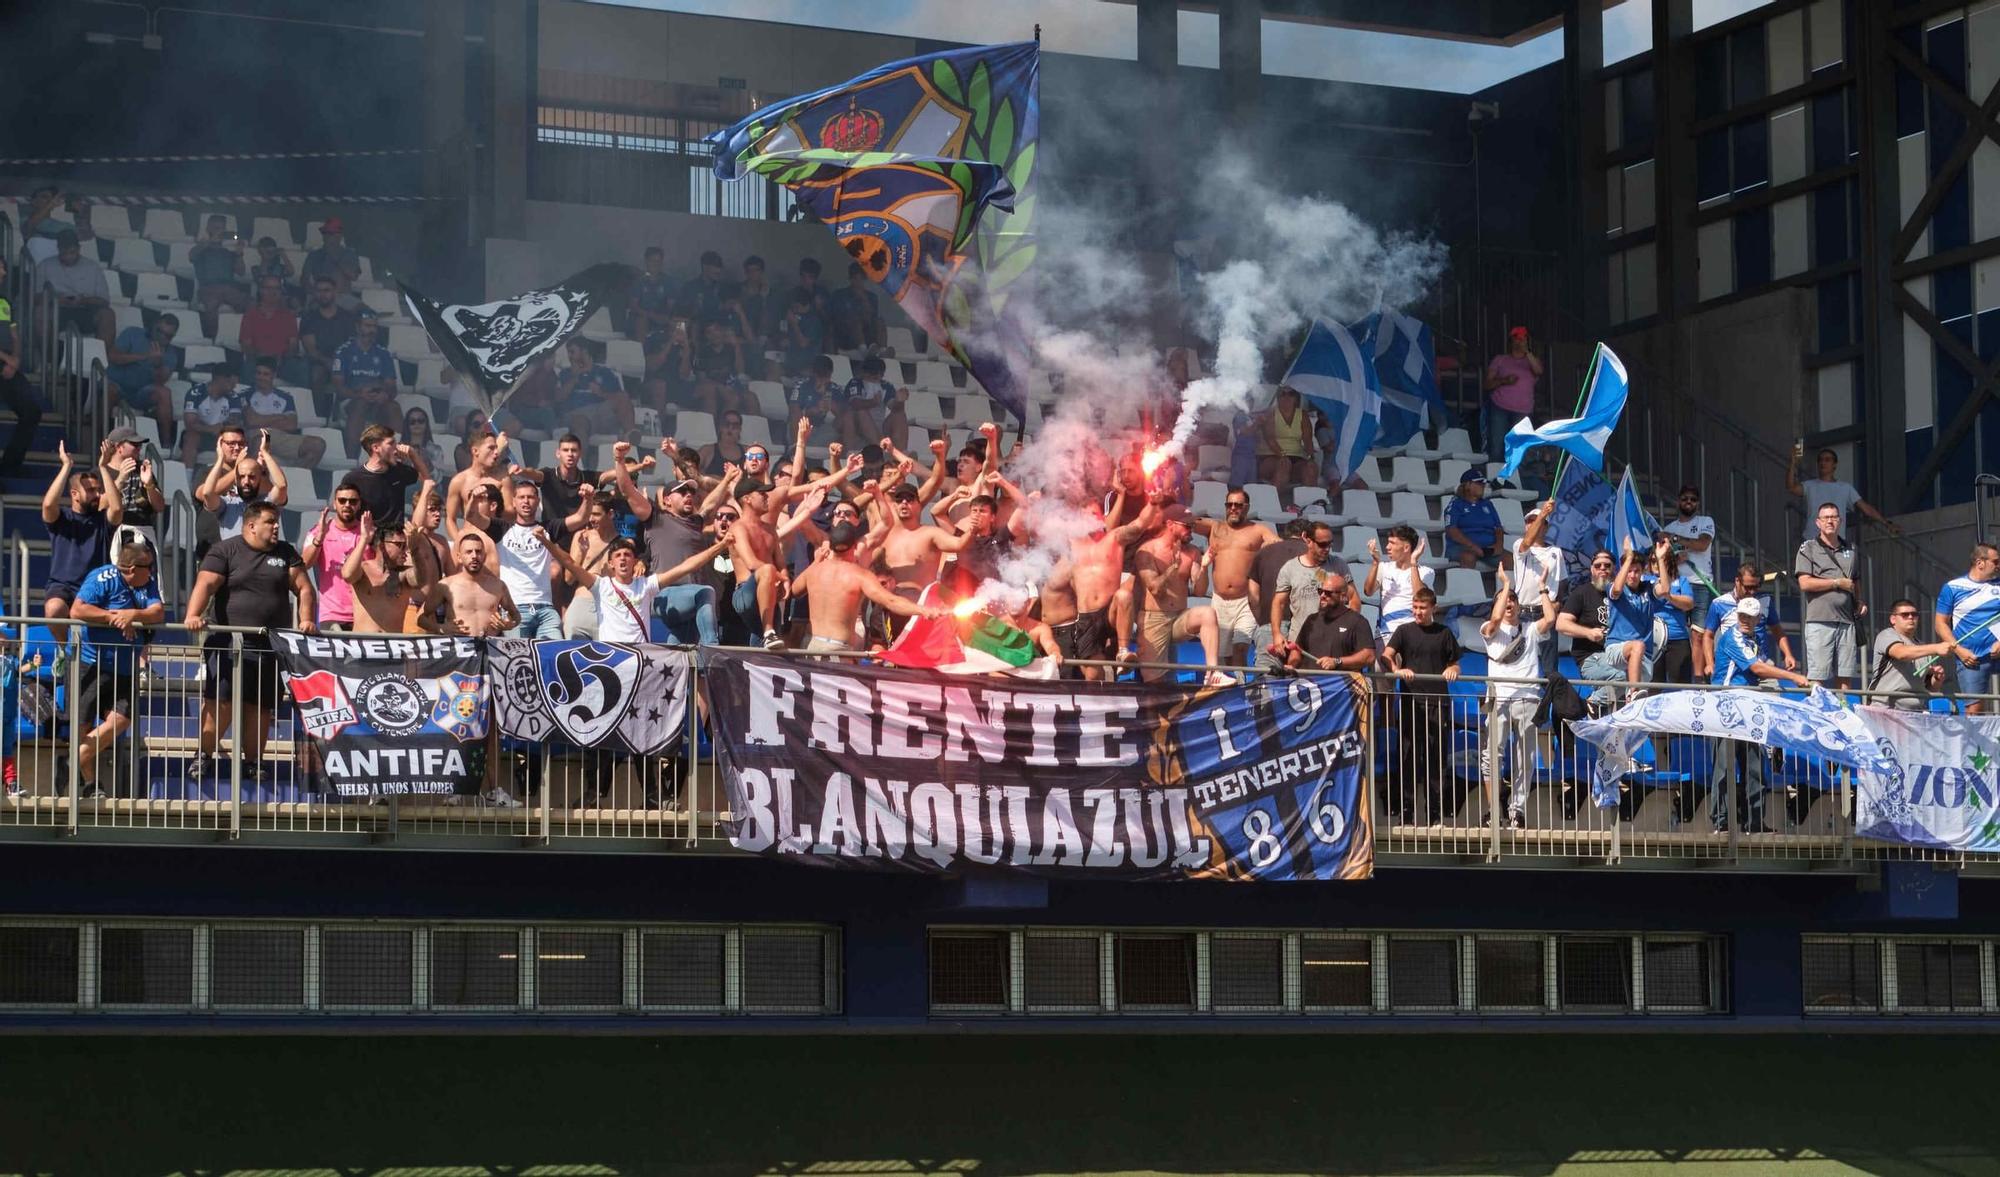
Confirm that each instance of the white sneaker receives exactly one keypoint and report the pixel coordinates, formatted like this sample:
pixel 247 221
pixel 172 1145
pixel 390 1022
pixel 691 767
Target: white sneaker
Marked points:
pixel 499 798
pixel 772 641
pixel 1217 678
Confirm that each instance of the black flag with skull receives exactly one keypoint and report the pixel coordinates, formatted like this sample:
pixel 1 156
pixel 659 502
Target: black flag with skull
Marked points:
pixel 496 344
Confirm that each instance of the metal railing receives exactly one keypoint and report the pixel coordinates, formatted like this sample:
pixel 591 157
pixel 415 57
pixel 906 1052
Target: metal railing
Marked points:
pixel 1454 778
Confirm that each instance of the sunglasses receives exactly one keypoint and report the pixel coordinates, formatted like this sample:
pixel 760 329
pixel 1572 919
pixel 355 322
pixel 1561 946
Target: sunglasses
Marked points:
pixel 726 518
pixel 1601 564
pixel 347 502
pixel 148 566
pixel 1905 613
pixel 754 455
pixel 1234 506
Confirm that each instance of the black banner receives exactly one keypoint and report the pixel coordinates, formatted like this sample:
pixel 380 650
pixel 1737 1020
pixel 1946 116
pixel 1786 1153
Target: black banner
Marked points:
pixel 388 714
pixel 626 698
pixel 493 343
pixel 854 766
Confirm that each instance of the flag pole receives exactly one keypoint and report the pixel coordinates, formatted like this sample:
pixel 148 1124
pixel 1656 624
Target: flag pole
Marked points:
pixel 1582 394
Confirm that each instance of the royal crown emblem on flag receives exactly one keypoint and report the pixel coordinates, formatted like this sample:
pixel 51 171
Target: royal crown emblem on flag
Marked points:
pixel 854 130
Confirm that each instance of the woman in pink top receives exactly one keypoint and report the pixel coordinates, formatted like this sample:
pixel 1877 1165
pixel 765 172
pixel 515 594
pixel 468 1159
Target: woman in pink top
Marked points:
pixel 1510 390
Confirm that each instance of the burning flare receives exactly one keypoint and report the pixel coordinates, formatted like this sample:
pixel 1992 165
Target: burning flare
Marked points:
pixel 968 607
pixel 1153 460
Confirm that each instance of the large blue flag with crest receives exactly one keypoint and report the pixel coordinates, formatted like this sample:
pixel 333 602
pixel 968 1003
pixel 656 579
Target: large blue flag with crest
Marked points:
pixel 1585 435
pixel 1406 365
pixel 1335 372
pixel 905 163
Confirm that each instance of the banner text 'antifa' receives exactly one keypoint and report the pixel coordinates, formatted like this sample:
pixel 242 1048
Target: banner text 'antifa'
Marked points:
pixel 930 724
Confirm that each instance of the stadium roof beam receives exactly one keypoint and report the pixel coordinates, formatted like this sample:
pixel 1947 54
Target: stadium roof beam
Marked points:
pixel 1487 22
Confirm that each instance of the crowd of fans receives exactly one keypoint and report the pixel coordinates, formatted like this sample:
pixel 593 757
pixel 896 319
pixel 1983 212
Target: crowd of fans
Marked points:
pixel 742 543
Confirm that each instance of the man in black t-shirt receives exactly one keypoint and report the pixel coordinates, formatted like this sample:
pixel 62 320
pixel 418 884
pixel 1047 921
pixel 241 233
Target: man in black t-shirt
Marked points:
pixel 1584 616
pixel 388 470
pixel 251 579
pixel 1337 637
pixel 1424 653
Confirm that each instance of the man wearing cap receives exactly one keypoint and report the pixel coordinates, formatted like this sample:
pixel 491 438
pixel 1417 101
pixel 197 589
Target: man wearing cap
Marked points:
pixel 624 598
pixel 1472 532
pixel 333 261
pixel 1333 635
pixel 674 533
pixel 1739 663
pixel 134 501
pixel 913 549
pixel 83 295
pixel 1510 390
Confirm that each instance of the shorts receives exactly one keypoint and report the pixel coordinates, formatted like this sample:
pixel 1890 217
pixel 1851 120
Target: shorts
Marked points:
pixel 102 691
pixel 820 645
pixel 261 686
pixel 61 590
pixel 1236 624
pixel 1703 598
pixel 1088 637
pixel 1831 652
pixel 1158 633
pixel 1972 680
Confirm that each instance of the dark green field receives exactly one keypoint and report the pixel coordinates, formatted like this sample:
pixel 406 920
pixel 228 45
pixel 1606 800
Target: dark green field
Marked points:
pixel 995 1104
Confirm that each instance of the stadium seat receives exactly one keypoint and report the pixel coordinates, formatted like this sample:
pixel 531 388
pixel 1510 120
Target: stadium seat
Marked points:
pixel 229 330
pixel 148 431
pixel 135 255
pixel 627 357
pixel 180 259
pixel 1264 502
pixel 842 370
pixel 1463 586
pixel 1207 499
pixel 918 444
pixel 1450 471
pixel 129 316
pixel 386 304
pixel 757 431
pixel 1305 499
pixel 1457 443
pixel 87 348
pixel 1372 477
pixel 166 224
pixel 1211 461
pixel 1354 547
pixel 771 400
pixel 112 224
pixel 598 326
pixel 302 492
pixel 174 480
pixel 923 408
pixel 692 428
pixel 1410 473
pixel 336 447
pixel 429 372
pixel 972 409
pixel 159 291
pixel 1364 507
pixel 1412 508
pixel 278 229
pixel 198 356
pixel 932 374
pixel 1513 519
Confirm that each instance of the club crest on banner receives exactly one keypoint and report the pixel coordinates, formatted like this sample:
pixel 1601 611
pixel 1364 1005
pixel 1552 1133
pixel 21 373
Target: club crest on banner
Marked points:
pixel 502 336
pixel 393 704
pixel 324 707
pixel 461 706
pixel 589 687
pixel 518 705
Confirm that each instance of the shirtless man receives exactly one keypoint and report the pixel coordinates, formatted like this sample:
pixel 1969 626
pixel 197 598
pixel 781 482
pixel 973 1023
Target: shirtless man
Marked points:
pixel 388 582
pixel 489 467
pixel 1096 569
pixel 834 588
pixel 760 578
pixel 1233 543
pixel 1168 570
pixel 476 600
pixel 913 549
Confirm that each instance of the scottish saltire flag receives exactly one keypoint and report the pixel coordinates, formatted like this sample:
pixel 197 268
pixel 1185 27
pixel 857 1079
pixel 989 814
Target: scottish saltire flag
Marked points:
pixel 1630 520
pixel 1337 374
pixel 905 163
pixel 1406 365
pixel 1584 436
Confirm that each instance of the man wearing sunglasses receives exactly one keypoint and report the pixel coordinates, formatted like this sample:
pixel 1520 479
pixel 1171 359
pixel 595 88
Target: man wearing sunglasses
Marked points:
pixel 1907 671
pixel 325 552
pixel 114 602
pixel 1233 544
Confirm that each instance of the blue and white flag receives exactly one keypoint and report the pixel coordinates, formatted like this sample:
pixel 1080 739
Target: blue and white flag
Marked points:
pixel 1819 726
pixel 1406 365
pixel 1581 517
pixel 1629 519
pixel 1583 436
pixel 1337 374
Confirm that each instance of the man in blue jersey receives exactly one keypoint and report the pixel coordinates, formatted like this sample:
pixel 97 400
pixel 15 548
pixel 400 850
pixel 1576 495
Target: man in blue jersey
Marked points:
pixel 1740 663
pixel 115 600
pixel 1968 612
pixel 1632 602
pixel 1771 639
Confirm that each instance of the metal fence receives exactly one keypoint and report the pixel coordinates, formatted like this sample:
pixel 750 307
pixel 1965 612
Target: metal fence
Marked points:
pixel 1455 777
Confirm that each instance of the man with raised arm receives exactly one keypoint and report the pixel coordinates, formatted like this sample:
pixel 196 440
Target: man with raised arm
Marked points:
pixel 1514 660
pixel 474 601
pixel 387 575
pixel 1233 544
pixel 79 532
pixel 1169 569
pixel 1096 567
pixel 834 588
pixel 624 599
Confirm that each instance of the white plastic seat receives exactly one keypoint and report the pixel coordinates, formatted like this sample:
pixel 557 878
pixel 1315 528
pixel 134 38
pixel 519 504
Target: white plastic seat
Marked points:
pixel 972 409
pixel 129 316
pixel 135 255
pixel 112 224
pixel 901 340
pixel 159 291
pixel 1207 500
pixel 923 408
pixel 1411 474
pixel 336 447
pixel 386 304
pixel 693 428
pixel 1370 472
pixel 1364 508
pixel 87 348
pixel 932 374
pixel 166 224
pixel 1354 547
pixel 1457 443
pixel 1513 520
pixel 1408 506
pixel 1463 586
pixel 771 399
pixel 919 444
pixel 429 372
pixel 174 478
pixel 301 492
pixel 757 431
pixel 229 330
pixel 180 259
pixel 1264 502
pixel 1450 470
pixel 843 371
pixel 627 357
pixel 278 229
pixel 1211 460
pixel 1306 498
pixel 198 356
pixel 303 406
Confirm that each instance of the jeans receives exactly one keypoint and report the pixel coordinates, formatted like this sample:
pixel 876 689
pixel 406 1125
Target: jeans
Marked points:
pixel 1497 422
pixel 688 612
pixel 1608 666
pixel 538 621
pixel 1751 757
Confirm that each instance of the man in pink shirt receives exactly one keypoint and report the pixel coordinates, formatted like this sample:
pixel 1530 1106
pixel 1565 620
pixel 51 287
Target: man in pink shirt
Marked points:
pixel 326 549
pixel 1510 390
